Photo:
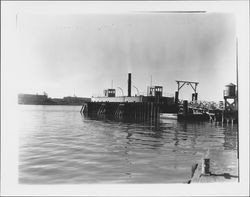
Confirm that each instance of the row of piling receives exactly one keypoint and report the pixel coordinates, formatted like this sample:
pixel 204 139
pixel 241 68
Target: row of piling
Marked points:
pixel 149 110
pixel 225 117
pixel 137 110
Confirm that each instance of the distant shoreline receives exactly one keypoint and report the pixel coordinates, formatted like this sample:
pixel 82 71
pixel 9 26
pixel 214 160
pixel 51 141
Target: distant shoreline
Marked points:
pixel 54 104
pixel 36 99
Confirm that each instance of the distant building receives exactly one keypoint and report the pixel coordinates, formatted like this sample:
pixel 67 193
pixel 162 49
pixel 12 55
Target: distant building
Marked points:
pixel 32 99
pixel 36 99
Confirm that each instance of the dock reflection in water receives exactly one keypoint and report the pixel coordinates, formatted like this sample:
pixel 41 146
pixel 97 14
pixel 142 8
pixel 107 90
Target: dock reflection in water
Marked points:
pixel 58 145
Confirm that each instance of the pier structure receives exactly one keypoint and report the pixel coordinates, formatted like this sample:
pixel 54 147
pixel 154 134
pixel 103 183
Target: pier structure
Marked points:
pixel 197 110
pixel 187 110
pixel 137 107
pixel 154 105
pixel 193 85
pixel 139 111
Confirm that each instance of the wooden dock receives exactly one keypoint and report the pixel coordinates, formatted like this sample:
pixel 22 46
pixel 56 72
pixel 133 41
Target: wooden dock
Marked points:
pixel 202 173
pixel 142 111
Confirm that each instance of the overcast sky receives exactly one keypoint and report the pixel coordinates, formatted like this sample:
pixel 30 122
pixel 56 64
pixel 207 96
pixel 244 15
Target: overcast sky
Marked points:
pixel 82 54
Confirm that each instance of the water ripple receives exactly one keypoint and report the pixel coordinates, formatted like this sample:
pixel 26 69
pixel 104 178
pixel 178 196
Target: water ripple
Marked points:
pixel 57 145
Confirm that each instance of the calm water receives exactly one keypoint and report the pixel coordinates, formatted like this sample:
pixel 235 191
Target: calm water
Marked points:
pixel 57 145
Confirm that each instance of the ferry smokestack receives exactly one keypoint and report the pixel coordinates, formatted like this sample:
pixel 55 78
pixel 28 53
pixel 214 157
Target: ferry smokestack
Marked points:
pixel 129 84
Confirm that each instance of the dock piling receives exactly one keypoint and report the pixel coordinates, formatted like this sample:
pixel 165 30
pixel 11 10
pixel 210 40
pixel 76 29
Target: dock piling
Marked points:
pixel 205 170
pixel 139 111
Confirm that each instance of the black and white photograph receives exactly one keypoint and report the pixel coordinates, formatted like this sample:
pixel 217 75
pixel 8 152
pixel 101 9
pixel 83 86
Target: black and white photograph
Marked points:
pixel 108 95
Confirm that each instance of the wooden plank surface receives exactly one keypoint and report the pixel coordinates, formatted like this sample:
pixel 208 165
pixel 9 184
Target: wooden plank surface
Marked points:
pixel 213 177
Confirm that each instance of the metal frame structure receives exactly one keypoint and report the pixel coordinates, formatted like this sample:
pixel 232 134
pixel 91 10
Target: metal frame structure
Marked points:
pixel 188 83
pixel 193 86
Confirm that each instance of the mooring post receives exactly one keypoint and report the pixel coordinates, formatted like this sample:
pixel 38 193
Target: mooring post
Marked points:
pixel 210 118
pixel 141 111
pixel 95 106
pixel 176 97
pixel 148 110
pixel 222 118
pixel 81 109
pixel 138 111
pixel 185 108
pixel 90 107
pixel 86 109
pixel 151 110
pixel 152 114
pixel 205 165
pixel 144 111
pixel 158 111
pixel 135 106
pixel 155 111
pixel 134 109
pixel 114 109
